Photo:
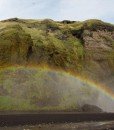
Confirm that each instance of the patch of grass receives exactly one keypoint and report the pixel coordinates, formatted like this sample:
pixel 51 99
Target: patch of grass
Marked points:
pixel 26 88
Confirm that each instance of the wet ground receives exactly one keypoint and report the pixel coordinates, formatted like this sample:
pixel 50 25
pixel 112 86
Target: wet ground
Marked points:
pixel 41 121
pixel 16 119
pixel 66 126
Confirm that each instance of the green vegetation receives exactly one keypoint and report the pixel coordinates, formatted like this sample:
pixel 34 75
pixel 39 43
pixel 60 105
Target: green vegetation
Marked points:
pixel 24 88
pixel 98 25
pixel 59 44
pixel 51 42
pixel 85 47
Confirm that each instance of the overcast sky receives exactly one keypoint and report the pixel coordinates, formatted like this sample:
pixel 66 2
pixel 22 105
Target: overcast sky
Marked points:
pixel 58 9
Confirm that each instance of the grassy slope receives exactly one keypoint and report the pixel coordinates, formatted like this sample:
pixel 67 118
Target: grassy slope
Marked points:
pixel 54 39
pixel 54 43
pixel 24 88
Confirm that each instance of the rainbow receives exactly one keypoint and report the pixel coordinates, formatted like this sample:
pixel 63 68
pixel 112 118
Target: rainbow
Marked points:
pixel 100 87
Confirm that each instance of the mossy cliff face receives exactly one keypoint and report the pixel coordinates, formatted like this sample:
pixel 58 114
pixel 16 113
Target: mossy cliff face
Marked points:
pixel 29 88
pixel 24 88
pixel 86 48
pixel 62 44
pixel 39 42
pixel 98 40
pixel 14 45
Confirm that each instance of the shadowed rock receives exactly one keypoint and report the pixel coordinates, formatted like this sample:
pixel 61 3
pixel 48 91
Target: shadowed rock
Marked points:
pixel 91 108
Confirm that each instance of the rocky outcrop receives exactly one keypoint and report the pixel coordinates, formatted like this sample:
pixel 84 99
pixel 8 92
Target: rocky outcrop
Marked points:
pixel 91 108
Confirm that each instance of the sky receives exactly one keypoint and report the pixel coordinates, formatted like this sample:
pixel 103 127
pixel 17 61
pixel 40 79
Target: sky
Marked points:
pixel 78 10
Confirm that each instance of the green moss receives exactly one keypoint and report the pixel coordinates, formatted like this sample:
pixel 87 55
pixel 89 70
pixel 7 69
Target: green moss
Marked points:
pixel 24 88
pixel 44 42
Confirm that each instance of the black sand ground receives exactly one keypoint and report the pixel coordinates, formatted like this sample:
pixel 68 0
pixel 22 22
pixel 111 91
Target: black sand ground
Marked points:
pixel 13 119
pixel 56 121
pixel 66 126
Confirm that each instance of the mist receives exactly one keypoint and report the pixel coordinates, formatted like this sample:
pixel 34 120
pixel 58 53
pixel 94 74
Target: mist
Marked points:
pixel 25 88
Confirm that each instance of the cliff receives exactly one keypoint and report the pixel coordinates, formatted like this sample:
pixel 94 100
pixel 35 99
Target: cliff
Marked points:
pixel 86 48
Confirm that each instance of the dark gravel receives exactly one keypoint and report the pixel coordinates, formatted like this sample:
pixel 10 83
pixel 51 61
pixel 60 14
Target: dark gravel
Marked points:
pixel 66 126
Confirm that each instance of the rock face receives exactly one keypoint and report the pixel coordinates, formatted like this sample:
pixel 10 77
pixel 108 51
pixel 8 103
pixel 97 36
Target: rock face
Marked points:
pixel 86 48
pixel 91 108
pixel 27 88
pixel 66 44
